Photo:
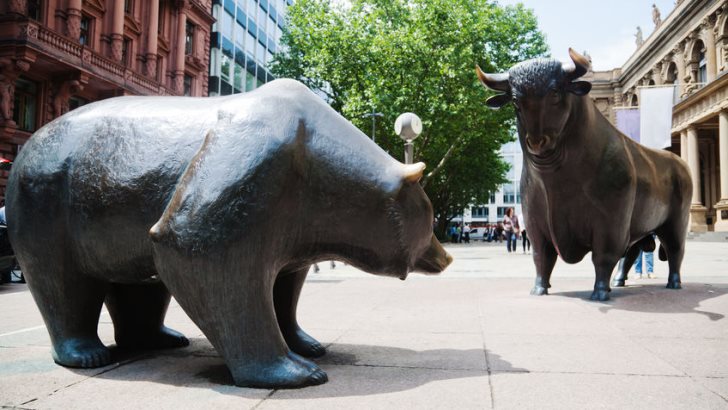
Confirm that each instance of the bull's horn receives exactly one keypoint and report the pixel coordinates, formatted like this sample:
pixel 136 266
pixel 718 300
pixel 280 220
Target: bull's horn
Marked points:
pixel 413 172
pixel 579 68
pixel 497 82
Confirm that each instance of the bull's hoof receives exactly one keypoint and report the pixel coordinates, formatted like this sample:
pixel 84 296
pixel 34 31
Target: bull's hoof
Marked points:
pixel 300 342
pixel 600 295
pixel 83 353
pixel 164 338
pixel 618 283
pixel 288 372
pixel 673 281
pixel 539 290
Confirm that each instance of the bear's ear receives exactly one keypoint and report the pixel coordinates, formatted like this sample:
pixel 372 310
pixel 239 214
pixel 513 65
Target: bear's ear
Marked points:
pixel 413 172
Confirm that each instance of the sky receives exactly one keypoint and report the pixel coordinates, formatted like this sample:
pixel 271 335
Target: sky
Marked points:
pixel 603 28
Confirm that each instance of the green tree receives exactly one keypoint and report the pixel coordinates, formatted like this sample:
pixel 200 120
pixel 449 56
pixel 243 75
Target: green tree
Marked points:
pixel 396 56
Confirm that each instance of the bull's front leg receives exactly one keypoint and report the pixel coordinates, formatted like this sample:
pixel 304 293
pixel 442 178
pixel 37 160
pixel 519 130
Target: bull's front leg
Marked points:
pixel 604 263
pixel 544 257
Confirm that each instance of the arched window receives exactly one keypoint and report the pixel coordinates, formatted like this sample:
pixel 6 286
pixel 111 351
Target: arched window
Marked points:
pixel 634 101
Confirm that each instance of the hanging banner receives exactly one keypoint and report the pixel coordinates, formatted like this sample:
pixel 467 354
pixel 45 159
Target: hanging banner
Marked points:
pixel 656 116
pixel 628 121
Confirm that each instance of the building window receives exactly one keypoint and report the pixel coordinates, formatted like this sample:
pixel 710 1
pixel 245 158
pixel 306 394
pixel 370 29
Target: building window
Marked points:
pixel 188 85
pixel 491 200
pixel 126 52
pixel 509 193
pixel 128 6
pixel 702 68
pixel 85 37
pixel 502 212
pixel 479 212
pixel 160 16
pixel 189 38
pixel 34 9
pixel 26 105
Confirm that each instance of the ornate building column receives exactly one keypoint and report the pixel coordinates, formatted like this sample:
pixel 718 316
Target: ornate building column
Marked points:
pixel 684 145
pixel 721 208
pixel 117 31
pixel 697 210
pixel 709 36
pixel 179 73
pixel 73 19
pixel 150 65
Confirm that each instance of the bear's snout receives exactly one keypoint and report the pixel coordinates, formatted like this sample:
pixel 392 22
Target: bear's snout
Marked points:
pixel 434 260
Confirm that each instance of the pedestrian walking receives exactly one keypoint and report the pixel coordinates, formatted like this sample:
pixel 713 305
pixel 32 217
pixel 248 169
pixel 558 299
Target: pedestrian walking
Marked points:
pixel 524 236
pixel 511 227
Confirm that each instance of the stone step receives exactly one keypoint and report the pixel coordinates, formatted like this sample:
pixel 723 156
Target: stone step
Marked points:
pixel 708 236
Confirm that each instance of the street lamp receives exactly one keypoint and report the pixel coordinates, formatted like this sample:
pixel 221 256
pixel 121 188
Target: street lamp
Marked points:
pixel 408 126
pixel 374 116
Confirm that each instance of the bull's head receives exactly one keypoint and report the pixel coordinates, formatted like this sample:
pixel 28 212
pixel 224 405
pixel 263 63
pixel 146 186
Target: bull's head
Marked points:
pixel 543 92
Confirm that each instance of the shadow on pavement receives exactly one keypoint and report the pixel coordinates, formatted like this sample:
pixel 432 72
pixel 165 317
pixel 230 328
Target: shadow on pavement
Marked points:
pixel 656 298
pixel 200 366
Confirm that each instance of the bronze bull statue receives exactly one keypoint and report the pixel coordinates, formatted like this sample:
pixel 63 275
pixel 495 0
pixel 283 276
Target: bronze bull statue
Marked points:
pixel 585 185
pixel 222 202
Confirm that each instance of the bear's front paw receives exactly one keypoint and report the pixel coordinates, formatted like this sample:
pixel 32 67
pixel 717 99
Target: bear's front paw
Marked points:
pixel 83 353
pixel 287 372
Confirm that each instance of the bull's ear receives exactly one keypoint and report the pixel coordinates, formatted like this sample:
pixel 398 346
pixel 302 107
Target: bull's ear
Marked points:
pixel 498 101
pixel 579 87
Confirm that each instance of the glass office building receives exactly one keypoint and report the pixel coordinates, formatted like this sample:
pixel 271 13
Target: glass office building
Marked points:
pixel 244 39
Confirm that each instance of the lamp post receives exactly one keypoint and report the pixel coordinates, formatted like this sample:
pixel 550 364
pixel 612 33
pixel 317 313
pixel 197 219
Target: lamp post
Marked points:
pixel 374 116
pixel 408 126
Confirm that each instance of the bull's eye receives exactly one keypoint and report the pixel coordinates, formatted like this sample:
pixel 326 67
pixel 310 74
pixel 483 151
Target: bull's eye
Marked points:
pixel 554 97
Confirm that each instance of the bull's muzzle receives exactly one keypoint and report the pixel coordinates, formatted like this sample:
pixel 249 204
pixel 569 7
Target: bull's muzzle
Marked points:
pixel 539 146
pixel 434 260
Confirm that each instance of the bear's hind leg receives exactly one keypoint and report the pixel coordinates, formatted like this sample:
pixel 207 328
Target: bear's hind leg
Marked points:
pixel 286 292
pixel 138 311
pixel 70 305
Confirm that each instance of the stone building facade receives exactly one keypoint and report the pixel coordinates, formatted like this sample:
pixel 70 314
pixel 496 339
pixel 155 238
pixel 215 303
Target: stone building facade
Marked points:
pixel 690 50
pixel 56 55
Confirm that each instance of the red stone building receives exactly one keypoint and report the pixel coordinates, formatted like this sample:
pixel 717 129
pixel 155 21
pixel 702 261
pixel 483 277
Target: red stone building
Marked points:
pixel 56 55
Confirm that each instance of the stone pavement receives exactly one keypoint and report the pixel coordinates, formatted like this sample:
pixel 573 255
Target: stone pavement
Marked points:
pixel 471 338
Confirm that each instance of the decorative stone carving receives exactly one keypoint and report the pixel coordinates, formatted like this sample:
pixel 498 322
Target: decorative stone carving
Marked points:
pixel 73 24
pixel 62 95
pixel 638 40
pixel 18 7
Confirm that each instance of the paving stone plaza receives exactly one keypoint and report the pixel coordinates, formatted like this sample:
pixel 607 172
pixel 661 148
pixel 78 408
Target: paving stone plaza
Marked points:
pixel 471 338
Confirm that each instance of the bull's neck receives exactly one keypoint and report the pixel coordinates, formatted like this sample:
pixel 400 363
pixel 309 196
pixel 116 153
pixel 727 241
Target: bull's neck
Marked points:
pixel 585 136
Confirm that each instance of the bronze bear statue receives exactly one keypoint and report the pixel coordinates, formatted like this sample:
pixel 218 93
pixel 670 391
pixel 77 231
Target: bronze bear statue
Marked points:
pixel 223 202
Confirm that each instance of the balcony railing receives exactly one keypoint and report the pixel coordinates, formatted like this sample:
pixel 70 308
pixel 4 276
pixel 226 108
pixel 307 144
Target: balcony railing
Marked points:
pixel 82 56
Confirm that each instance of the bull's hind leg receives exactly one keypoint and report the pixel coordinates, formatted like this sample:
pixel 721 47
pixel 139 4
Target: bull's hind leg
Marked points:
pixel 626 265
pixel 138 311
pixel 70 304
pixel 672 236
pixel 286 292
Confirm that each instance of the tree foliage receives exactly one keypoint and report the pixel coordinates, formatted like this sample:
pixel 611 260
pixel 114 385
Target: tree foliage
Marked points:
pixel 397 56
